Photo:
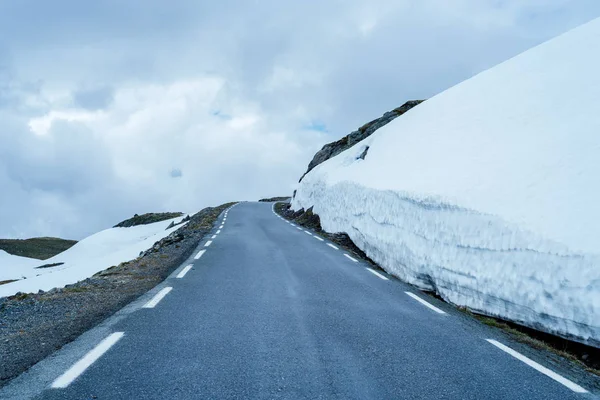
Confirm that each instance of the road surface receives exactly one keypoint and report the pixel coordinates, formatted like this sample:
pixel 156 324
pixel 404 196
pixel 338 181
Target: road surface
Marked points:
pixel 267 310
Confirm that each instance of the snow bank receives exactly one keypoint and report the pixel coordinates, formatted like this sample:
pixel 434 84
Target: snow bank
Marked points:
pixel 89 256
pixel 488 192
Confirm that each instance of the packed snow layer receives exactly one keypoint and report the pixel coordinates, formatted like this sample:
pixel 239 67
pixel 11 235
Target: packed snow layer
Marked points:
pixel 89 256
pixel 11 266
pixel 488 192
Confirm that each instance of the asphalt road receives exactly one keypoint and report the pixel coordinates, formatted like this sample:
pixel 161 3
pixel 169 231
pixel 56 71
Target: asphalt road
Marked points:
pixel 270 311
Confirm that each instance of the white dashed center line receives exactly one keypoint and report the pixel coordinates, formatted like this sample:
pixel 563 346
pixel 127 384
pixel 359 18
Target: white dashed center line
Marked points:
pixel 184 271
pixel 549 373
pixel 332 246
pixel 351 258
pixel 377 274
pixel 157 298
pixel 208 243
pixel 80 366
pixel 426 304
pixel 197 257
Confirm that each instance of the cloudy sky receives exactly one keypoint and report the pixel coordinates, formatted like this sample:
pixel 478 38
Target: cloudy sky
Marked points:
pixel 110 108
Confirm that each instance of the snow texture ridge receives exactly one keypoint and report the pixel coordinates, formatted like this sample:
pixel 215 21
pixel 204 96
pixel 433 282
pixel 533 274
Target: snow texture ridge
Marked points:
pixel 488 192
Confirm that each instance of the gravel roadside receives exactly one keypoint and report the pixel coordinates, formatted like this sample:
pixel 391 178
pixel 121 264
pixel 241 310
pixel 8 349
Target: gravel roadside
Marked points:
pixel 32 326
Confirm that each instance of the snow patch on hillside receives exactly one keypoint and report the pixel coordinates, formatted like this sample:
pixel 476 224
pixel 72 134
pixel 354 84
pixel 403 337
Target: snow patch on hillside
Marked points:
pixel 487 193
pixel 12 267
pixel 89 256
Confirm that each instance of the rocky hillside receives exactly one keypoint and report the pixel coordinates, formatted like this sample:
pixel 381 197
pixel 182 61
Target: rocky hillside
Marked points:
pixel 334 148
pixel 148 218
pixel 40 248
pixel 272 199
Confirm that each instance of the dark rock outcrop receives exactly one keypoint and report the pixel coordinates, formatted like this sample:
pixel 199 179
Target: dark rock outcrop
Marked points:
pixel 272 199
pixel 148 218
pixel 334 148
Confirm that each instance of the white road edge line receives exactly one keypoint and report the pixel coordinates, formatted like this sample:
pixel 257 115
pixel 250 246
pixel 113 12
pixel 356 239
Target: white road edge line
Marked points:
pixel 540 368
pixel 80 366
pixel 219 231
pixel 318 238
pixel 221 227
pixel 332 246
pixel 208 243
pixel 213 236
pixel 158 297
pixel 426 304
pixel 298 228
pixel 197 257
pixel 293 225
pixel 308 233
pixel 184 271
pixel 351 258
pixel 377 274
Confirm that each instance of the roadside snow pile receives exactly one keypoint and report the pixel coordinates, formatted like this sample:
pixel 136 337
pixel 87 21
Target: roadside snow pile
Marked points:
pixel 487 193
pixel 89 256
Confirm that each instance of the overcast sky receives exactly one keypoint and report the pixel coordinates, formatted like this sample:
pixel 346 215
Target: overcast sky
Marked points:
pixel 110 108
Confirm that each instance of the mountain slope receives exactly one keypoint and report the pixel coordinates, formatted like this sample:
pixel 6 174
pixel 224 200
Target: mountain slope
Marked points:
pixel 486 193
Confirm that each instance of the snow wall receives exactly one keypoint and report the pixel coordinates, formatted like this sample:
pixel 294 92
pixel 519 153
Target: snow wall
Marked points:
pixel 488 193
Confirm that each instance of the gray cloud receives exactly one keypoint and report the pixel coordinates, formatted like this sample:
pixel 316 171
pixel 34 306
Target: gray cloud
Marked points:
pixel 99 99
pixel 93 99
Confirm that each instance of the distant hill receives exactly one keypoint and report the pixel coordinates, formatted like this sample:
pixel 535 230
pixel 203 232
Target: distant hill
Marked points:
pixel 148 218
pixel 40 248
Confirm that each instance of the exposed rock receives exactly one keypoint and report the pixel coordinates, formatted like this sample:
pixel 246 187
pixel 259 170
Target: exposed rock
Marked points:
pixel 50 265
pixel 272 199
pixel 334 148
pixel 364 153
pixel 148 218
